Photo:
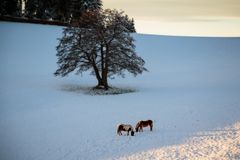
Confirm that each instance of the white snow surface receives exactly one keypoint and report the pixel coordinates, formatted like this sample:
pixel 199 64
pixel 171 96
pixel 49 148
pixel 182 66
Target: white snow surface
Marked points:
pixel 191 92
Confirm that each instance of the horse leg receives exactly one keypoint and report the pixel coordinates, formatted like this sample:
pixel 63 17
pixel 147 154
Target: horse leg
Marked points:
pixel 119 133
pixel 129 130
pixel 151 126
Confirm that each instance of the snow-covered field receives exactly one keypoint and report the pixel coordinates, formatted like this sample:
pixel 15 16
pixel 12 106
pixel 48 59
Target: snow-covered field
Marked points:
pixel 191 92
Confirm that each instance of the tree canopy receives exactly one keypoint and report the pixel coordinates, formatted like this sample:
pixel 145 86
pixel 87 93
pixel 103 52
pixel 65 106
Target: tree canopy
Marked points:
pixel 101 42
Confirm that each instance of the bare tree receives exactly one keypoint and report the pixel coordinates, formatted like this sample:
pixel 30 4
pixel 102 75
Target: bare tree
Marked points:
pixel 102 43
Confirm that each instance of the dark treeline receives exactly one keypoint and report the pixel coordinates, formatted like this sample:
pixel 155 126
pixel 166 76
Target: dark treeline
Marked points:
pixel 54 10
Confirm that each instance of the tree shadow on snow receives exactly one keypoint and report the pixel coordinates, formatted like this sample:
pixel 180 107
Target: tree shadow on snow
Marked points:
pixel 93 91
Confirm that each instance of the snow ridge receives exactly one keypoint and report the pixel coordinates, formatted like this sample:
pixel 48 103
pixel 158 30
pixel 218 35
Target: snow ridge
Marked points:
pixel 221 144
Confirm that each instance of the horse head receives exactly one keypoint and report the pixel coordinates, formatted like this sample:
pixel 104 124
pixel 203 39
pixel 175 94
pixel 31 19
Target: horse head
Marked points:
pixel 132 133
pixel 138 126
pixel 136 129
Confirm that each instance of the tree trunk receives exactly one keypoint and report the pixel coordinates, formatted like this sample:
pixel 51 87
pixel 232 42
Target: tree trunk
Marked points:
pixel 105 69
pixel 105 83
pixel 99 78
pixel 102 82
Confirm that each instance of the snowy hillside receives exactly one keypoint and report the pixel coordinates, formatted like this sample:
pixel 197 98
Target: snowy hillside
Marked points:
pixel 191 92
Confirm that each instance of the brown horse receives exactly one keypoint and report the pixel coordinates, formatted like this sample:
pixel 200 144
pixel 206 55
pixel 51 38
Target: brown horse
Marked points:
pixel 125 127
pixel 141 124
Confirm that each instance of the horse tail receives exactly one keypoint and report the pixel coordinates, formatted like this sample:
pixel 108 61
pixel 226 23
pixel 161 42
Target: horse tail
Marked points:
pixel 119 128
